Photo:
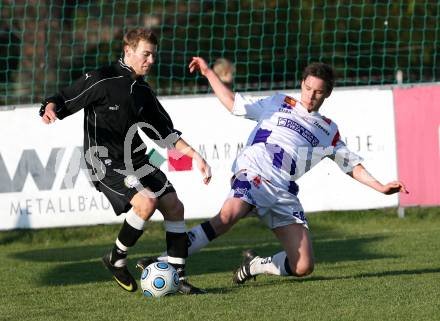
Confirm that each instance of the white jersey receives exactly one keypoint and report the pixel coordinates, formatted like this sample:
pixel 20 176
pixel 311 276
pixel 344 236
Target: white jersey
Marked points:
pixel 288 140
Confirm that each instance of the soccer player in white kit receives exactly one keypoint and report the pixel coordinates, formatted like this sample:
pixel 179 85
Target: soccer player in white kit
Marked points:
pixel 289 139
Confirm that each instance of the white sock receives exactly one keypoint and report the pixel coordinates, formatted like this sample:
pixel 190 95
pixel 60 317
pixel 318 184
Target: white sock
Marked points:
pixel 135 221
pixel 197 239
pixel 269 265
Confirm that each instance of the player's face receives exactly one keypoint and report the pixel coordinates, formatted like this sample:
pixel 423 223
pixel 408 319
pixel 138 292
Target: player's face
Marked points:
pixel 313 93
pixel 142 58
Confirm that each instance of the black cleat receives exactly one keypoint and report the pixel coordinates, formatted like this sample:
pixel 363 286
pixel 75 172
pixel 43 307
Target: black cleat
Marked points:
pixel 141 264
pixel 121 274
pixel 243 273
pixel 186 288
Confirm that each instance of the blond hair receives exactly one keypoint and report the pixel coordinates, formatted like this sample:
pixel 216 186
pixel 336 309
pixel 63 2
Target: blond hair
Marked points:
pixel 133 36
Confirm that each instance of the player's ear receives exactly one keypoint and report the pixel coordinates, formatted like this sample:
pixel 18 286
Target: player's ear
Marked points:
pixel 127 51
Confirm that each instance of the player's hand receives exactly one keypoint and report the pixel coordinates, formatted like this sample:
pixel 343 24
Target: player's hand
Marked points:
pixel 198 63
pixel 204 168
pixel 49 115
pixel 394 187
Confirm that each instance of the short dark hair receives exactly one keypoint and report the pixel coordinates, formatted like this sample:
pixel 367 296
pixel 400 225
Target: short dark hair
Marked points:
pixel 133 36
pixel 321 71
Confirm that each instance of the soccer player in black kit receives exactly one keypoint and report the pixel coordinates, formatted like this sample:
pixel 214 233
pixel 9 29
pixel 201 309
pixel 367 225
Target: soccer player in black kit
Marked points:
pixel 116 102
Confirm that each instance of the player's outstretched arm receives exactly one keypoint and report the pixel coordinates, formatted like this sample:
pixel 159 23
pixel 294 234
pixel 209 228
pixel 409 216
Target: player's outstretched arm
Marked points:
pixel 223 93
pixel 183 147
pixel 49 115
pixel 360 174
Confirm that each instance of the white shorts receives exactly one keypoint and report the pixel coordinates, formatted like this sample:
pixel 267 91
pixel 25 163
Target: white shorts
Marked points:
pixel 274 206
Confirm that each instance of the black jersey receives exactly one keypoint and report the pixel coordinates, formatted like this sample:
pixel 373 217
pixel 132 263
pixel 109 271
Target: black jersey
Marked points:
pixel 114 100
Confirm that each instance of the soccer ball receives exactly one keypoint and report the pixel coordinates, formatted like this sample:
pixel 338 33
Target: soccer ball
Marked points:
pixel 159 279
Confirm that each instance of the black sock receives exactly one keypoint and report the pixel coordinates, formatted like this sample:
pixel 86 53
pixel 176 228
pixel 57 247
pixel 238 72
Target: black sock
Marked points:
pixel 128 237
pixel 287 266
pixel 117 254
pixel 209 231
pixel 177 248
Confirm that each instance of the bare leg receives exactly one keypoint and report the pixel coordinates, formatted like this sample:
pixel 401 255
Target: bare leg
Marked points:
pixel 296 242
pixel 232 211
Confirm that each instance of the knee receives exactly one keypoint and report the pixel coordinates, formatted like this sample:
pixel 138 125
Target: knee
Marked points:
pixel 224 221
pixel 303 268
pixel 146 208
pixel 232 210
pixel 227 219
pixel 177 210
pixel 173 209
pixel 220 224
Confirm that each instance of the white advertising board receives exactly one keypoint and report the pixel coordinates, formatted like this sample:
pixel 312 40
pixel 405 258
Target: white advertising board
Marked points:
pixel 38 188
pixel 41 185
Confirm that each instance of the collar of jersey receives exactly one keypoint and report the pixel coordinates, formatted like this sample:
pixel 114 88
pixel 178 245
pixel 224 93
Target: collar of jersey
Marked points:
pixel 125 69
pixel 305 111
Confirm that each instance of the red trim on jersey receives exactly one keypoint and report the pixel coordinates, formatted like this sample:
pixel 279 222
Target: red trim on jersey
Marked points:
pixel 327 120
pixel 290 101
pixel 336 138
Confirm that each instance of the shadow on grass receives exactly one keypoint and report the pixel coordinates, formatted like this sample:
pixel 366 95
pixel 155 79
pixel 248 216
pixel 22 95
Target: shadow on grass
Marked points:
pixel 10 237
pixel 272 280
pixel 362 275
pixel 80 265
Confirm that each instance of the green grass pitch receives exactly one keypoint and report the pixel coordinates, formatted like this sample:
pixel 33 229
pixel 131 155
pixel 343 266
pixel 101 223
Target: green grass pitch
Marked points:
pixel 370 265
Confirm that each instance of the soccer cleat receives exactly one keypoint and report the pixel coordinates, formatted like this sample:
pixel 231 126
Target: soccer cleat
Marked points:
pixel 121 274
pixel 186 288
pixel 141 264
pixel 243 273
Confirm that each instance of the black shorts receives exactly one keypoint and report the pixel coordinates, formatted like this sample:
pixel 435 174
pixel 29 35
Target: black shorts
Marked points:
pixel 120 189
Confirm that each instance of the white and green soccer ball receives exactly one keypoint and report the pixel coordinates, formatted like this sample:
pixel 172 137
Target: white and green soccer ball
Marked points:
pixel 159 279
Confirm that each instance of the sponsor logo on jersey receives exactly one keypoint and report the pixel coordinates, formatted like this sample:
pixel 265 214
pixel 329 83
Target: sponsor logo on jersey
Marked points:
pixel 304 132
pixel 289 102
pixel 321 128
pixel 115 107
pixel 88 76
pixel 285 110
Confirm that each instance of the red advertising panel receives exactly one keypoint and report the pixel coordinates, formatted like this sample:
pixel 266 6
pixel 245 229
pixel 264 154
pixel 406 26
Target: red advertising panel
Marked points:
pixel 178 161
pixel 417 113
